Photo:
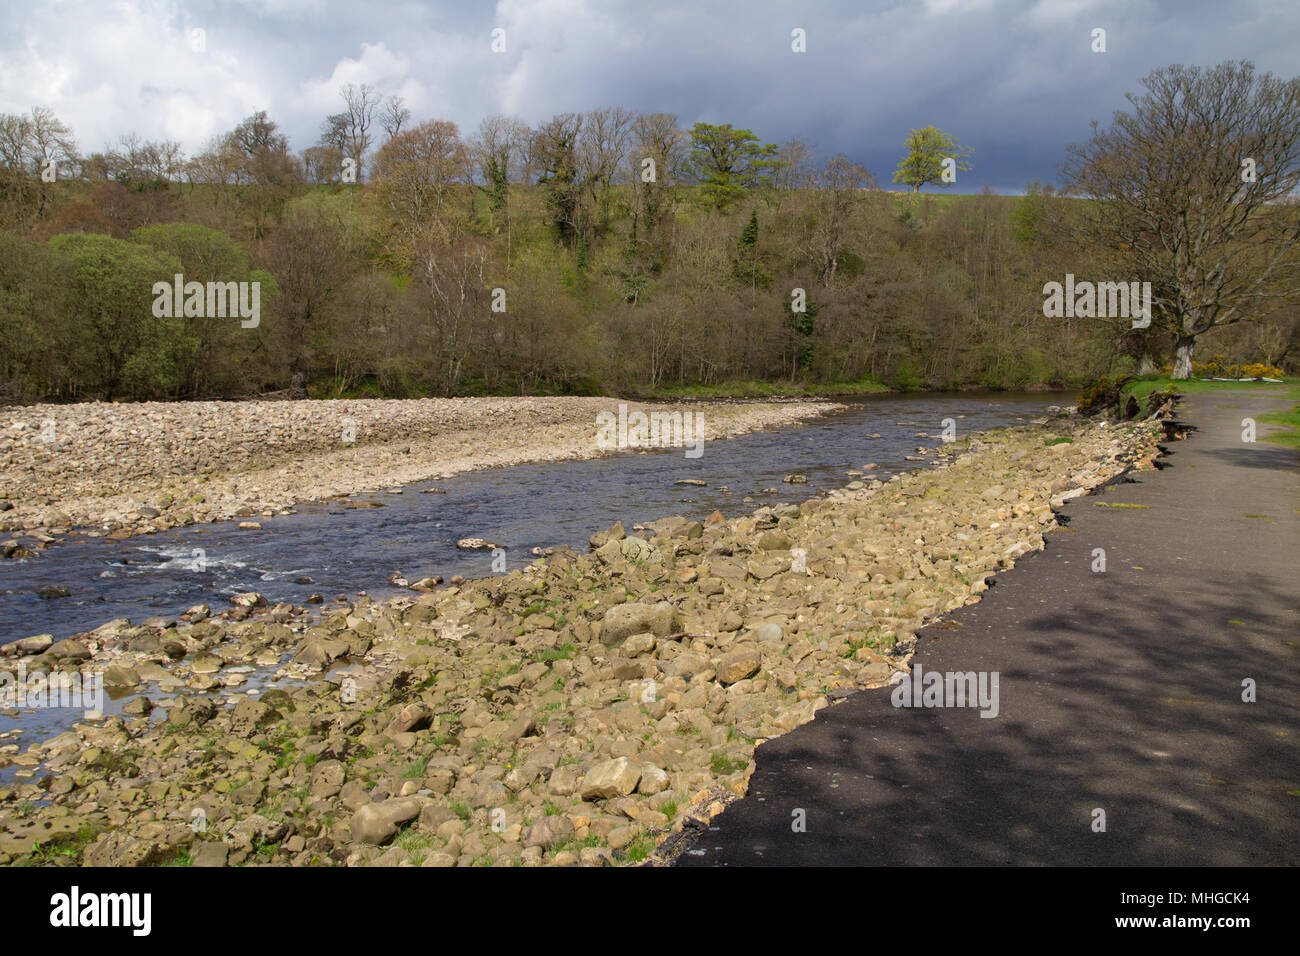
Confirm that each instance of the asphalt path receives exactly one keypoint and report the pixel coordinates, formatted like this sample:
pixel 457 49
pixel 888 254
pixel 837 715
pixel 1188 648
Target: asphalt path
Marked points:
pixel 1121 736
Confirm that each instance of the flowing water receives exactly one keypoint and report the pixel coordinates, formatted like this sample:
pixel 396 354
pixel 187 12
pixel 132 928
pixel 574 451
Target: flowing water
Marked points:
pixel 346 550
pixel 331 549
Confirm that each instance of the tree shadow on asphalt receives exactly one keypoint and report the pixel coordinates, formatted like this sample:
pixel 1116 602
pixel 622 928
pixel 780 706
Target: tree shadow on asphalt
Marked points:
pixel 1141 719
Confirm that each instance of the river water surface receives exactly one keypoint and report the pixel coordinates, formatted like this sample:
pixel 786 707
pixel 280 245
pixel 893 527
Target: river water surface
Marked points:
pixel 346 550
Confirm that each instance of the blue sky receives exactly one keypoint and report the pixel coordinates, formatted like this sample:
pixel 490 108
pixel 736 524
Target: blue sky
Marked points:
pixel 1014 79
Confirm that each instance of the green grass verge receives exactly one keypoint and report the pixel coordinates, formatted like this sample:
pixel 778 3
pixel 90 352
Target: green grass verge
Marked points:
pixel 1144 385
pixel 1291 421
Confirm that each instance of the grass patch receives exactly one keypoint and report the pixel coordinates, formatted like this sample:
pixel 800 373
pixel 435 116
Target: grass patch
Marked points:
pixel 1291 422
pixel 1144 385
pixel 724 766
pixel 1059 440
pixel 63 846
pixel 640 848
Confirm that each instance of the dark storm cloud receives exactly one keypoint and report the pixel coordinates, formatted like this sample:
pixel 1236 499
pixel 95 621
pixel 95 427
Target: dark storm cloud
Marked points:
pixel 1016 80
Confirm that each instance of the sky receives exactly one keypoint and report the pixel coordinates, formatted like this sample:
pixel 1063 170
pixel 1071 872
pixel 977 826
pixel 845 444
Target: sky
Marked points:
pixel 1015 80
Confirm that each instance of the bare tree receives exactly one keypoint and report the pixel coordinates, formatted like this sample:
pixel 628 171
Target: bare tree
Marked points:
pixel 414 175
pixel 602 153
pixel 839 183
pixel 361 103
pixel 452 280
pixel 1193 190
pixel 658 136
pixel 497 151
pixel 794 166
pixel 395 115
pixel 28 145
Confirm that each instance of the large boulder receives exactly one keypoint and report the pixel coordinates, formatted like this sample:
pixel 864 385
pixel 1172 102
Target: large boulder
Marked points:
pixel 624 620
pixel 739 664
pixel 377 823
pixel 549 831
pixel 610 778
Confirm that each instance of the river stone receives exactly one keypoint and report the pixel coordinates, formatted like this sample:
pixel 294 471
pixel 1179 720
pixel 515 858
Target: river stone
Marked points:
pixel 624 620
pixel 738 665
pixel 799 714
pixel 653 780
pixel 610 778
pixel 208 853
pixel 35 644
pixel 327 778
pixel 250 715
pixel 207 664
pixel 768 566
pixel 639 644
pixel 256 828
pixel 117 848
pixel 563 781
pixel 610 551
pixel 191 710
pixel 549 831
pixel 138 706
pixel 774 541
pixel 69 649
pixel 410 718
pixel 636 549
pixel 319 651
pixel 615 532
pixel 377 823
pixel 115 675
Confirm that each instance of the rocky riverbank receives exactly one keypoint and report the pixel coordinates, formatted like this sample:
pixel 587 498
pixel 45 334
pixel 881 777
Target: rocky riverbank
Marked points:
pixel 128 469
pixel 579 711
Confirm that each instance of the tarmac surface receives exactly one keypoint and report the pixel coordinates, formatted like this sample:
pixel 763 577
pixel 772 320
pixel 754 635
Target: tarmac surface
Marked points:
pixel 1121 736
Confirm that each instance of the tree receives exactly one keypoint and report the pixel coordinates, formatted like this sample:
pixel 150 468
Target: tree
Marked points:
pixel 254 153
pixel 840 181
pixel 209 255
pixel 926 151
pixel 602 155
pixel 496 150
pixel 1194 192
pixel 311 255
pixel 394 116
pixel 123 348
pixel 29 144
pixel 361 102
pixel 729 160
pixel 414 174
pixel 556 149
pixel 748 267
pixel 794 166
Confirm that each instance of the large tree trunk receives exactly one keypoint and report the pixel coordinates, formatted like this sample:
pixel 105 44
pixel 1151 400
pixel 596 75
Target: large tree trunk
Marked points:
pixel 1183 357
